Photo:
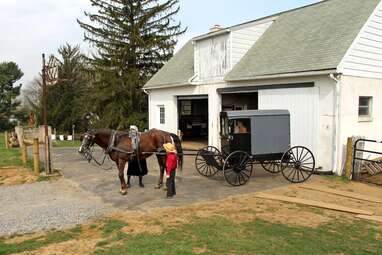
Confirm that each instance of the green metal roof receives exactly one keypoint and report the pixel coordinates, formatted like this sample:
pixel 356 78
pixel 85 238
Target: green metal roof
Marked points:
pixel 306 39
pixel 177 71
pixel 311 38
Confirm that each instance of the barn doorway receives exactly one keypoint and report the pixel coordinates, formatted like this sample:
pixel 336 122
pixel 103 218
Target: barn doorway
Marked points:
pixel 193 121
pixel 240 101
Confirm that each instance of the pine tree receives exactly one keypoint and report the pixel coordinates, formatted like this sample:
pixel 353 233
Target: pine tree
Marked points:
pixel 10 73
pixel 133 39
pixel 66 102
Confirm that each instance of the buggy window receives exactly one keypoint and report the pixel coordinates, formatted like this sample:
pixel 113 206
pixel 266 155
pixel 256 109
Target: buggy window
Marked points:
pixel 240 126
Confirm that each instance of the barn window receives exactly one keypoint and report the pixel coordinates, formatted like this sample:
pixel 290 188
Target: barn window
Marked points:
pixel 162 114
pixel 365 108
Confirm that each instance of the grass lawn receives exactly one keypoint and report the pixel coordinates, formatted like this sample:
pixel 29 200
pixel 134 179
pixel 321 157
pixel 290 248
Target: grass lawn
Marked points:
pixel 10 157
pixel 216 235
pixel 62 144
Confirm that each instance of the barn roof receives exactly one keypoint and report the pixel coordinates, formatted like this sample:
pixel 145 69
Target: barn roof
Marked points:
pixel 177 71
pixel 311 38
pixel 307 39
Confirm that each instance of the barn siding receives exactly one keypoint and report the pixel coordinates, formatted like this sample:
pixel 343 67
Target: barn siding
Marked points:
pixel 364 57
pixel 244 37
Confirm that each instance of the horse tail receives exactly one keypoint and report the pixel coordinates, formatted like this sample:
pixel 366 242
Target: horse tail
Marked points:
pixel 179 149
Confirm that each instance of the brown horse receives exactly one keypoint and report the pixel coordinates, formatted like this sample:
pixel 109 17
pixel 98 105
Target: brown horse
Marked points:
pixel 119 146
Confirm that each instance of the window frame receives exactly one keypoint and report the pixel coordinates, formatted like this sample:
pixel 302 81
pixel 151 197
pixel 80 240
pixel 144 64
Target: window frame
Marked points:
pixel 369 107
pixel 162 115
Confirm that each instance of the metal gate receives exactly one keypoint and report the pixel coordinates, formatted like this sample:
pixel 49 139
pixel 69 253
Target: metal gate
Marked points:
pixel 362 164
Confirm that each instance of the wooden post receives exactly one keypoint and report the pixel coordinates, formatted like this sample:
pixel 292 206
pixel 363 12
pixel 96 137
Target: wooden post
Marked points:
pixel 349 158
pixel 6 140
pixel 24 154
pixel 36 157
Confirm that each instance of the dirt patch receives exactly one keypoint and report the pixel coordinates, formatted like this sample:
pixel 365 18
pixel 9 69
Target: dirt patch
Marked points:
pixel 239 209
pixel 15 176
pixel 85 244
pixel 199 250
pixel 375 179
pixel 20 239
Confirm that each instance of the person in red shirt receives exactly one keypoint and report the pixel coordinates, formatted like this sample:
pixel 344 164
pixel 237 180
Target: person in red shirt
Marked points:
pixel 171 165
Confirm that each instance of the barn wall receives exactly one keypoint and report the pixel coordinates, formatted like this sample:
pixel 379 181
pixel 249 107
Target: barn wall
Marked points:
pixel 364 58
pixel 350 123
pixel 244 37
pixel 324 149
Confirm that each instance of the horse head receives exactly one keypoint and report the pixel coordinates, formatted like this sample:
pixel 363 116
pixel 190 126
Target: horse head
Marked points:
pixel 86 144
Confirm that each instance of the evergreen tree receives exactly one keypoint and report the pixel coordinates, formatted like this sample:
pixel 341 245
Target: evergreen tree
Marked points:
pixel 133 39
pixel 10 73
pixel 66 102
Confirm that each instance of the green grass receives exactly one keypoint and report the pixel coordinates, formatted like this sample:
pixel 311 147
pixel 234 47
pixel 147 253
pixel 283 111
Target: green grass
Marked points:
pixel 221 236
pixel 36 243
pixel 10 157
pixel 69 144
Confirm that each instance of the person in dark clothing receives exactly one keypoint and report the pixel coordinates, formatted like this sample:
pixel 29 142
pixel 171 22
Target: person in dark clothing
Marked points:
pixel 171 165
pixel 134 170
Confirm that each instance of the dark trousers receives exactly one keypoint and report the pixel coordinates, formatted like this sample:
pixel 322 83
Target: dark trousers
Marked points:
pixel 170 183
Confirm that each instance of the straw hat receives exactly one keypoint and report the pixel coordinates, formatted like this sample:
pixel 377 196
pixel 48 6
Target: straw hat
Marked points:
pixel 169 147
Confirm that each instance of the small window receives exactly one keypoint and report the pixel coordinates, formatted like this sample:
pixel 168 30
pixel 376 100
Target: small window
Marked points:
pixel 240 126
pixel 162 115
pixel 186 108
pixel 365 108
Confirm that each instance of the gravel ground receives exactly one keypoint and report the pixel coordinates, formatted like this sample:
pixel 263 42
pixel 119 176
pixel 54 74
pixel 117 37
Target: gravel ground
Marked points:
pixel 45 205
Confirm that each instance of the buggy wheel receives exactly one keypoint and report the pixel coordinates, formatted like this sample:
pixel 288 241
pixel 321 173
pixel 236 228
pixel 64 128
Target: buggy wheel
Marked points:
pixel 237 168
pixel 298 164
pixel 271 166
pixel 208 161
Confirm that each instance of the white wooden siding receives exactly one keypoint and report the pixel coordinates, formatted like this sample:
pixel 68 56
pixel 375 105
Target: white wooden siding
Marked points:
pixel 364 57
pixel 212 57
pixel 244 37
pixel 303 105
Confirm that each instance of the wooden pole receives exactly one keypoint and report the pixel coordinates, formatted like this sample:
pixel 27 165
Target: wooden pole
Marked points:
pixel 24 154
pixel 349 158
pixel 36 157
pixel 6 140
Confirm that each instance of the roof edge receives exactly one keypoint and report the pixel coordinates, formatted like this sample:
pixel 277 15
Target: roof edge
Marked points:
pixel 285 75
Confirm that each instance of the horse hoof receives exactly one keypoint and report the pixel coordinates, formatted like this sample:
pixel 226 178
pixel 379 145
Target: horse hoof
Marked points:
pixel 158 186
pixel 123 192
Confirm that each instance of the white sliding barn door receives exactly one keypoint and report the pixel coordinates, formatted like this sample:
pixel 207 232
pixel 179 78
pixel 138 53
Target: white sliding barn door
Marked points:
pixel 303 105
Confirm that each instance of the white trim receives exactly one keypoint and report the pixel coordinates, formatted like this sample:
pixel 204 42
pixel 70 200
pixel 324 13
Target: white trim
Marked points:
pixel 286 75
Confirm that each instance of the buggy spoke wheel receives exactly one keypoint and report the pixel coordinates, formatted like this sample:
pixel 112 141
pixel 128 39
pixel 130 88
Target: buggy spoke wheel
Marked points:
pixel 298 164
pixel 238 168
pixel 272 166
pixel 208 161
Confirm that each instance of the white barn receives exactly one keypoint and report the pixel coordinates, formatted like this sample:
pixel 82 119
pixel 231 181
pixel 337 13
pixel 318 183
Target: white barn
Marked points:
pixel 322 62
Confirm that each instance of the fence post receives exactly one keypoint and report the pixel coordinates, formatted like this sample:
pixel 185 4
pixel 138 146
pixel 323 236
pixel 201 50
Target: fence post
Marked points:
pixel 6 140
pixel 24 154
pixel 349 158
pixel 36 157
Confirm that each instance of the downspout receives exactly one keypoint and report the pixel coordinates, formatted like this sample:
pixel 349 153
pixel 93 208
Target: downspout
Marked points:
pixel 337 128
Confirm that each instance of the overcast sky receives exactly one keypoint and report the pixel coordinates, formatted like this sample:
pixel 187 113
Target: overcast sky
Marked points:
pixel 31 27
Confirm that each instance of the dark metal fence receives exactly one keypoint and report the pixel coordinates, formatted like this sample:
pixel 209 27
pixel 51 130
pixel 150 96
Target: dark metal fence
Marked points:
pixel 358 156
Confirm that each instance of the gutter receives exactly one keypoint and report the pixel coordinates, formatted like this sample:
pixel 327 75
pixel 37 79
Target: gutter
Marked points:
pixel 337 127
pixel 285 75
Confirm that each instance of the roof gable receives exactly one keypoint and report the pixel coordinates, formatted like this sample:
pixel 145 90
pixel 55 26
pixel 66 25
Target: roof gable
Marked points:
pixel 306 39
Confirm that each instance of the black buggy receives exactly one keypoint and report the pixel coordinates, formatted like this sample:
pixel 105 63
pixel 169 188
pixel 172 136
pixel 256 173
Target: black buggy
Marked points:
pixel 255 137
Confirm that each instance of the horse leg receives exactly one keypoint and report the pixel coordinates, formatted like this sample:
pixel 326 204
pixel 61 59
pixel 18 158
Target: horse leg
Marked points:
pixel 141 181
pixel 121 168
pixel 128 181
pixel 162 164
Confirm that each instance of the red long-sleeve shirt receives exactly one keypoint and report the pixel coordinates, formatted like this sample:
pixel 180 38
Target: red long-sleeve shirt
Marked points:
pixel 171 163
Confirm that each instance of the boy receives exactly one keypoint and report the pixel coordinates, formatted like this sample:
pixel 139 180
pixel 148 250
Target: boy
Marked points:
pixel 171 165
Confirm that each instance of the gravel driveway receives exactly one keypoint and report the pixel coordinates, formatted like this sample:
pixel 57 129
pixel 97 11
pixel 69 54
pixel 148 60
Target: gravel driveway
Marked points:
pixel 45 205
